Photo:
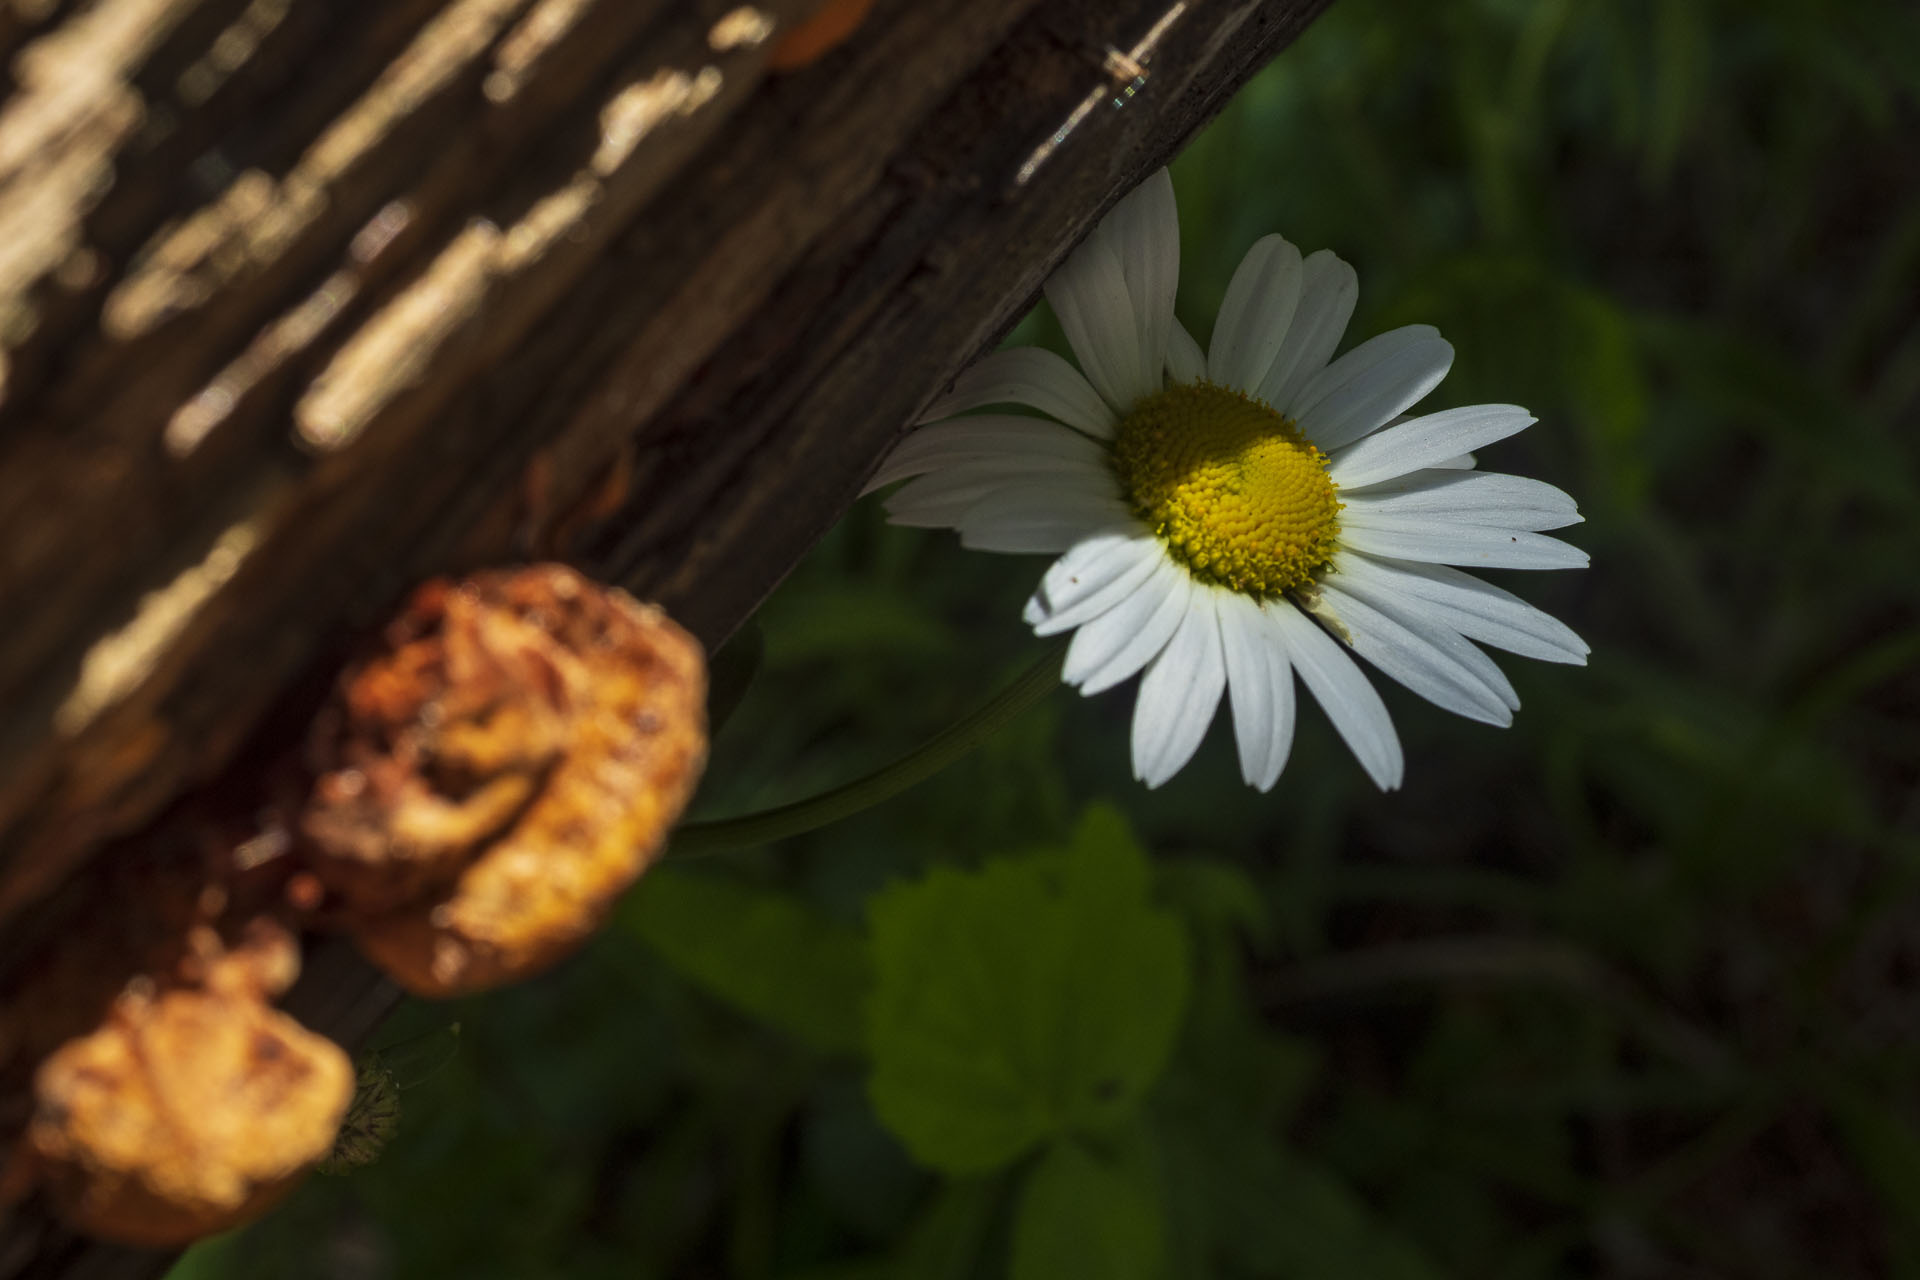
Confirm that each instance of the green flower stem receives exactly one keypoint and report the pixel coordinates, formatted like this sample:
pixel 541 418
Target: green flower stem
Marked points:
pixel 935 754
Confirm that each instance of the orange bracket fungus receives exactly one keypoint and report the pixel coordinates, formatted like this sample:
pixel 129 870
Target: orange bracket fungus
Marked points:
pixel 161 1095
pixel 184 1113
pixel 506 766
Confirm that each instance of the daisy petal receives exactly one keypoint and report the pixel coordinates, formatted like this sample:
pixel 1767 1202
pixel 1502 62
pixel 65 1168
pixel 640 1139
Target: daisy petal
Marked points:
pixel 1349 701
pixel 1039 517
pixel 1465 462
pixel 940 499
pixel 1036 536
pixel 1124 639
pixel 1179 694
pixel 1280 679
pixel 1089 578
pixel 1254 316
pixel 1410 658
pixel 1430 624
pixel 1328 290
pixel 1093 576
pixel 1421 442
pixel 1465 497
pixel 1259 687
pixel 938 502
pixel 964 464
pixel 979 438
pixel 1478 610
pixel 1144 233
pixel 1371 384
pixel 1089 297
pixel 1032 376
pixel 1472 545
pixel 1185 363
pixel 1415 617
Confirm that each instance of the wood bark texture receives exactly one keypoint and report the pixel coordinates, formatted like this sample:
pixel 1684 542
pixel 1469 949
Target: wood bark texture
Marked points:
pixel 305 301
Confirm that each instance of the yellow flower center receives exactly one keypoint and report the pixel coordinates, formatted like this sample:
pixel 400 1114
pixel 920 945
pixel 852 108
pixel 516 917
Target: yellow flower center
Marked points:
pixel 1232 488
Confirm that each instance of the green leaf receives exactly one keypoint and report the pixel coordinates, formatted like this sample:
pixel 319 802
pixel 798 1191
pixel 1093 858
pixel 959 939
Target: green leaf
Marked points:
pixel 1083 1216
pixel 1036 997
pixel 766 953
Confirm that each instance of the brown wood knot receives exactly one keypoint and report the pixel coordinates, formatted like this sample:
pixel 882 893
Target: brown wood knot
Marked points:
pixel 507 763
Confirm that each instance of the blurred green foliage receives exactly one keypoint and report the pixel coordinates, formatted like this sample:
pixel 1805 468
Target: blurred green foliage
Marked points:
pixel 1631 989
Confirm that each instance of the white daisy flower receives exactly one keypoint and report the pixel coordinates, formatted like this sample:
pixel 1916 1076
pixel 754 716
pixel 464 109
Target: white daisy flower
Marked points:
pixel 1226 520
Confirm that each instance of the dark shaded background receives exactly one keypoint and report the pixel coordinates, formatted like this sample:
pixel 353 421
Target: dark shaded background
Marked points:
pixel 1631 989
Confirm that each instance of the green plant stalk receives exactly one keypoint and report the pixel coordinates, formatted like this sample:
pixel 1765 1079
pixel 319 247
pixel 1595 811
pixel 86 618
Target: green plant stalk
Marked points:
pixel 933 755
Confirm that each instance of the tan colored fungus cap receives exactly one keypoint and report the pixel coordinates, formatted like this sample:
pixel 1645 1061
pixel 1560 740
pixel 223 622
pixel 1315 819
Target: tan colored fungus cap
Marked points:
pixel 161 916
pixel 184 1114
pixel 503 772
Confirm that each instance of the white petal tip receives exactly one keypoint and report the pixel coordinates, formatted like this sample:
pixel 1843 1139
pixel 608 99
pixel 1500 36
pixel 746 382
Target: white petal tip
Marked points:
pixel 1385 775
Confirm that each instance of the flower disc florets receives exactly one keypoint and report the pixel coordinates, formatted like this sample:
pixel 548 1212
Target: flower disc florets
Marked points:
pixel 1232 488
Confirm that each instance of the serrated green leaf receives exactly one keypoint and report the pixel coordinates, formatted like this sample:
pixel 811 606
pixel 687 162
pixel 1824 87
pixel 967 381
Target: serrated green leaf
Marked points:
pixel 1036 997
pixel 767 953
pixel 1080 1215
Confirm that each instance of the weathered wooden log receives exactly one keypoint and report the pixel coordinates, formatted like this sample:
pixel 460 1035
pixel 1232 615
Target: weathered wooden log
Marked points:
pixel 305 301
